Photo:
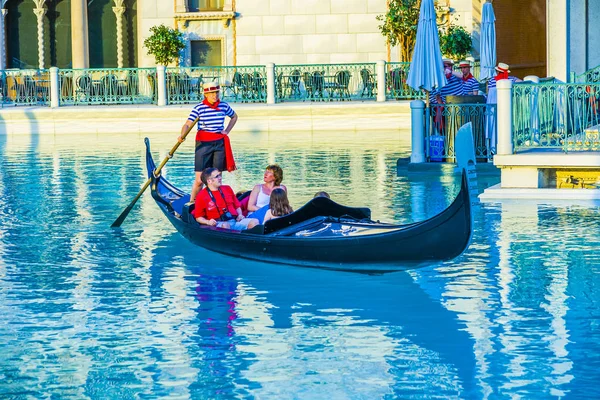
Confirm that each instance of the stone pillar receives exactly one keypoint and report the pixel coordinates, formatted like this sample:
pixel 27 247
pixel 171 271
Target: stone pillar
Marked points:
pixel 161 77
pixel 54 88
pixel 40 11
pixel 79 34
pixel 3 11
pixel 380 69
pixel 417 118
pixel 270 83
pixel 181 6
pixel 119 10
pixel 505 139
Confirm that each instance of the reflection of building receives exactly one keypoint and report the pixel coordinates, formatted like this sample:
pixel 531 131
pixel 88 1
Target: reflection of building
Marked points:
pixel 533 37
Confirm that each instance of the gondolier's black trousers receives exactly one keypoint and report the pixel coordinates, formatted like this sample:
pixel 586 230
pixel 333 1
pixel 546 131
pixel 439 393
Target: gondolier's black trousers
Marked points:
pixel 209 154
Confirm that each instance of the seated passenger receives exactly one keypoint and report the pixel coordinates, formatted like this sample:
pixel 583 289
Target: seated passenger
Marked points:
pixel 279 205
pixel 321 194
pixel 216 205
pixel 258 204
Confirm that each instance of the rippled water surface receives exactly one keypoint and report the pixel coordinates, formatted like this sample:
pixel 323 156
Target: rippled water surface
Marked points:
pixel 91 312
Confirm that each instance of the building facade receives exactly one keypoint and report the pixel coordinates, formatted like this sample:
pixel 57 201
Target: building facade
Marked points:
pixel 541 37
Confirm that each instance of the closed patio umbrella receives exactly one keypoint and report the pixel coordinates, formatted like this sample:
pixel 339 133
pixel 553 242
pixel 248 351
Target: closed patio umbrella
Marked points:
pixel 487 49
pixel 426 68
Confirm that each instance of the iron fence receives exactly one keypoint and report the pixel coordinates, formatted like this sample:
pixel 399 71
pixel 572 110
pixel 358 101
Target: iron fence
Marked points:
pixel 107 86
pixel 396 87
pixel 24 87
pixel 245 84
pixel 325 82
pixel 445 120
pixel 556 115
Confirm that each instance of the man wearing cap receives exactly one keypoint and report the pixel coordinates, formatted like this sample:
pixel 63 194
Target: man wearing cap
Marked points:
pixel 454 85
pixel 213 148
pixel 502 72
pixel 470 84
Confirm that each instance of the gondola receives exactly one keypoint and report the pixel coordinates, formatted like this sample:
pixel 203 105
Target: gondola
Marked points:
pixel 324 234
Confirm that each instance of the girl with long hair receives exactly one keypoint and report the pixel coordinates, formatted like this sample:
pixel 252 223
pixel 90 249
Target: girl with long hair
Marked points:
pixel 279 205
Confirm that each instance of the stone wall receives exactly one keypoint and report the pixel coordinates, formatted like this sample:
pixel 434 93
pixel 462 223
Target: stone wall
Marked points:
pixel 309 31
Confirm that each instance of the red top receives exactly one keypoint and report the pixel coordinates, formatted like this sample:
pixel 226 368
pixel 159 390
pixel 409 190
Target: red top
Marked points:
pixel 206 208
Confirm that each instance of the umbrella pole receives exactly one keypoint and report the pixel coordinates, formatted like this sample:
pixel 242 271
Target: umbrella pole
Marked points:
pixel 427 119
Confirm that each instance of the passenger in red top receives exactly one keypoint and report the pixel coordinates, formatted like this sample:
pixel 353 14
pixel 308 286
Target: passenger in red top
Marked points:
pixel 216 205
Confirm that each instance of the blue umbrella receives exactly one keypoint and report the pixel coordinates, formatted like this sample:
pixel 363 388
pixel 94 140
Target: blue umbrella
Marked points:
pixel 487 48
pixel 427 69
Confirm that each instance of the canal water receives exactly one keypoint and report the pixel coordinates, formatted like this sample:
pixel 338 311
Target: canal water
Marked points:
pixel 87 311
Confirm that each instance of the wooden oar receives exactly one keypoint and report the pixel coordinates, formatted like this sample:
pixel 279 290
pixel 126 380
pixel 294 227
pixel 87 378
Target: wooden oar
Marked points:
pixel 126 211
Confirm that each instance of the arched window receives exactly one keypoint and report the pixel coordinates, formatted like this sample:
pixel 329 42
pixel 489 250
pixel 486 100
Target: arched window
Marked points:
pixel 21 34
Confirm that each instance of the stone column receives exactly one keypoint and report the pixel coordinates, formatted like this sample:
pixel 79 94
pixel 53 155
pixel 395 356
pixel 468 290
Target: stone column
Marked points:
pixel 79 34
pixel 505 139
pixel 181 6
pixel 380 68
pixel 161 77
pixel 417 112
pixel 119 10
pixel 40 11
pixel 270 83
pixel 54 88
pixel 3 63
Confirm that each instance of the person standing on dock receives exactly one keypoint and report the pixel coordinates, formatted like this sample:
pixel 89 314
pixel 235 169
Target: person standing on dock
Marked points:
pixel 213 147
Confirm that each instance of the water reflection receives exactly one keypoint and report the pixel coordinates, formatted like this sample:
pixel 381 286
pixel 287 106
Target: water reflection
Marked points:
pixel 87 311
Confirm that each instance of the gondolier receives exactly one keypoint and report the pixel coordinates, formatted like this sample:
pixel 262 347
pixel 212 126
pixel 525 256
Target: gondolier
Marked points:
pixel 213 148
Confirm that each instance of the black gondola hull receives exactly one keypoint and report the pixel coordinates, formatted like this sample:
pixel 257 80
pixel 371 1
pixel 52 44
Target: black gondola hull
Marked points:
pixel 378 248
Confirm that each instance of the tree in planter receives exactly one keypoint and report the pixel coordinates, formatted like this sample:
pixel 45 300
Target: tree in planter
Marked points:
pixel 455 42
pixel 164 44
pixel 400 25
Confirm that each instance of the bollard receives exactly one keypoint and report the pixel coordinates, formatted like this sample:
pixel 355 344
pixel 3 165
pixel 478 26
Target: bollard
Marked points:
pixel 161 81
pixel 380 69
pixel 54 88
pixel 505 140
pixel 417 115
pixel 270 83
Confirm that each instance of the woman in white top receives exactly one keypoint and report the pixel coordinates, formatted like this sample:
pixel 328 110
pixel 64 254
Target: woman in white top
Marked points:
pixel 261 193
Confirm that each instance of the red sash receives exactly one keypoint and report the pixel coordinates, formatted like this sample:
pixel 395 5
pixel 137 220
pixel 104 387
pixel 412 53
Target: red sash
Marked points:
pixel 204 136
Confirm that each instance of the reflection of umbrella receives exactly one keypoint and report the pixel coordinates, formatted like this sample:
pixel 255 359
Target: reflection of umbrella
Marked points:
pixel 427 69
pixel 488 42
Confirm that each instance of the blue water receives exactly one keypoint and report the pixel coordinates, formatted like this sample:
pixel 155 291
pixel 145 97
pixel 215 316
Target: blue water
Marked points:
pixel 91 312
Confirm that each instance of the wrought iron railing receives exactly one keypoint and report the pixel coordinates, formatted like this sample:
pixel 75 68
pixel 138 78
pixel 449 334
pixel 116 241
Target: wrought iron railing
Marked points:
pixel 589 76
pixel 325 82
pixel 107 86
pixel 396 87
pixel 24 87
pixel 245 84
pixel 563 116
pixel 445 121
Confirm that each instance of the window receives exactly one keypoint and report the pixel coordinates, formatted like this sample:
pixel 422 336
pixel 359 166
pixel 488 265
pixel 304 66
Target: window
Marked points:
pixel 205 5
pixel 206 53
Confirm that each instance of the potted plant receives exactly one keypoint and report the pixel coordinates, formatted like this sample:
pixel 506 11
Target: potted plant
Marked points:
pixel 455 42
pixel 164 44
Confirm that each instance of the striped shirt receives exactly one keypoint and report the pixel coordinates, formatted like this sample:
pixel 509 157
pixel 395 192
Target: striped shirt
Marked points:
pixel 470 85
pixel 492 82
pixel 211 120
pixel 454 87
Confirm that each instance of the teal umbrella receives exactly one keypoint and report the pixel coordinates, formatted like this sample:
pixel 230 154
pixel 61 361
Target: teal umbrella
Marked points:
pixel 426 68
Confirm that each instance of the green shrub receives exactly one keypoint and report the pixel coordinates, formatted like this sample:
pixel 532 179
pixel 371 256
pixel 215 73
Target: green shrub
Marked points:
pixel 164 44
pixel 455 42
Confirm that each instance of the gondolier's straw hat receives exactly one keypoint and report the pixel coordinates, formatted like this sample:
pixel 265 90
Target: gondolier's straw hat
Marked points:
pixel 447 61
pixel 210 87
pixel 502 67
pixel 464 64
